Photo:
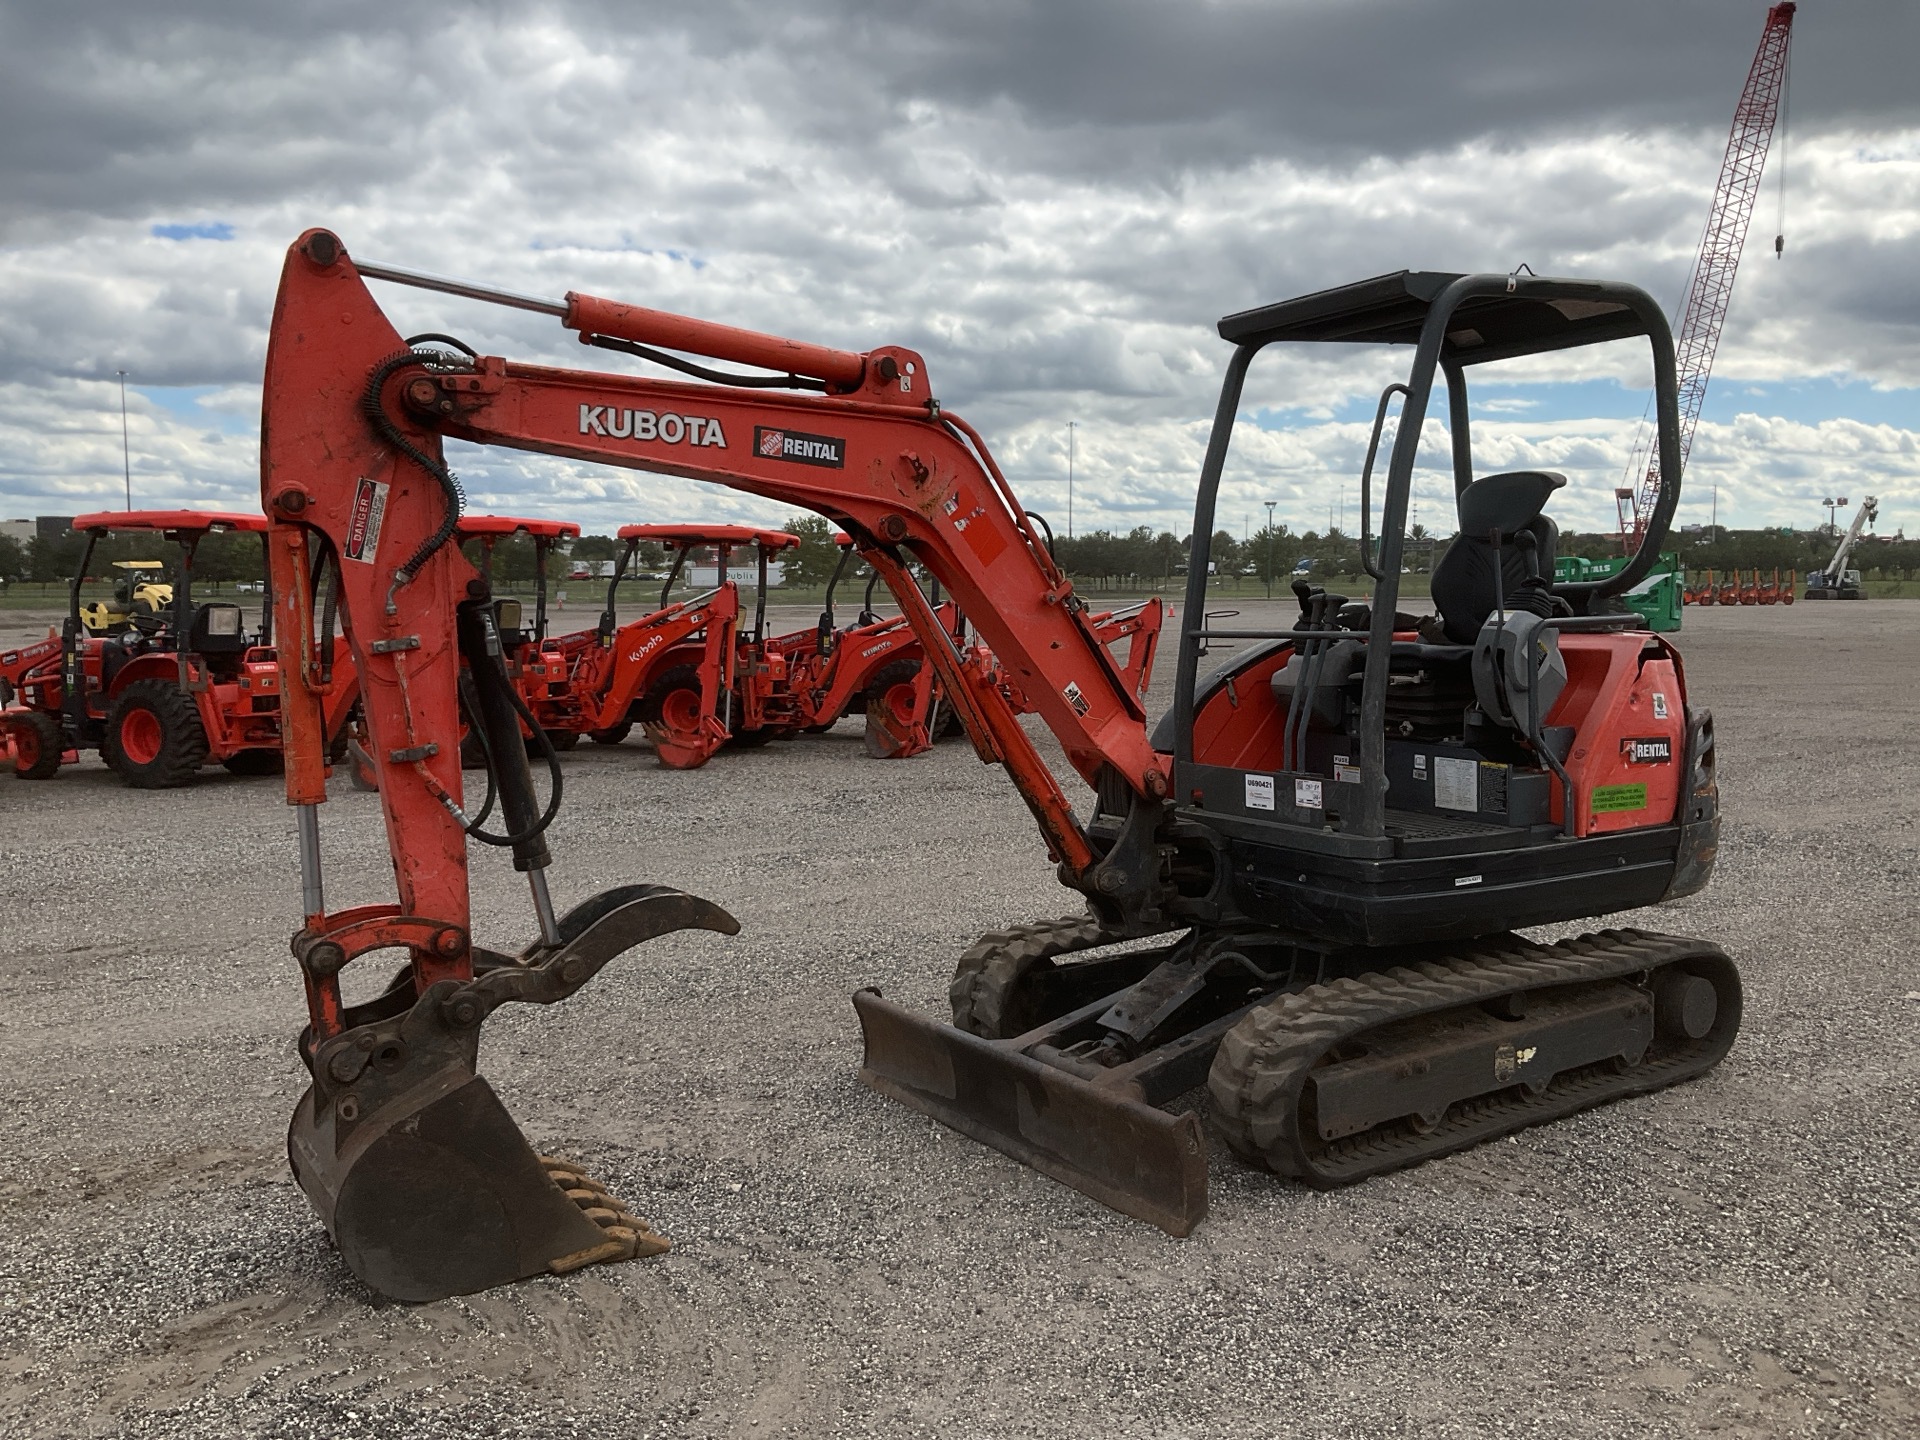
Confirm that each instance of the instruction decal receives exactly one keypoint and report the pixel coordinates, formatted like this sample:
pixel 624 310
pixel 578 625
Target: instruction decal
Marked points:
pixel 363 525
pixel 1659 705
pixel 1608 799
pixel 1307 795
pixel 1456 783
pixel 1077 698
pixel 1259 792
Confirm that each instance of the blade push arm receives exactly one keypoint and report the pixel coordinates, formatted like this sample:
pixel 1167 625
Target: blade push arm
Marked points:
pixel 875 454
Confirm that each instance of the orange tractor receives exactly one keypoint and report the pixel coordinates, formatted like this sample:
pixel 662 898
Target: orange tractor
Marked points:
pixel 538 671
pixel 1317 859
pixel 672 670
pixel 162 689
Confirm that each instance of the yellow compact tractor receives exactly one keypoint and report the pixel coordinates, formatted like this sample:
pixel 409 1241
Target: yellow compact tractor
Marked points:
pixel 140 590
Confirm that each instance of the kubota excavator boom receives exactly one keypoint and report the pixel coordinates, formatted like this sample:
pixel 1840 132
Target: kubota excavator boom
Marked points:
pixel 1343 854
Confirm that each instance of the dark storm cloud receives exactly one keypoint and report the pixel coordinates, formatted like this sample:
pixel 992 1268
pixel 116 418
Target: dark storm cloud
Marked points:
pixel 1052 200
pixel 122 108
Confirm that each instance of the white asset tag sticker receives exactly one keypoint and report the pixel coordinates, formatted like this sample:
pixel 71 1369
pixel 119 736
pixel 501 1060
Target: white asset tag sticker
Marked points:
pixel 1259 792
pixel 1659 705
pixel 1306 794
pixel 1456 783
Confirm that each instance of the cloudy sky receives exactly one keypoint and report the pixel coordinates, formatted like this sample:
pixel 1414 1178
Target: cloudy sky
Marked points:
pixel 1053 200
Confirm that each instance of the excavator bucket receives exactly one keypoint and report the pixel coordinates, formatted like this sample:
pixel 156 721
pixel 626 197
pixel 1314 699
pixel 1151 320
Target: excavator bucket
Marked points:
pixel 409 1157
pixel 1103 1140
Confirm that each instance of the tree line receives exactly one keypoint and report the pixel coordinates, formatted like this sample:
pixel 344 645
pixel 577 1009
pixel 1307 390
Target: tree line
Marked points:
pixel 1142 558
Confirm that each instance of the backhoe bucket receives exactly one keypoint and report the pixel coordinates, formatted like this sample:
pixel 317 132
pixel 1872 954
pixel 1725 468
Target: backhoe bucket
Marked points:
pixel 1102 1140
pixel 414 1165
pixel 443 1197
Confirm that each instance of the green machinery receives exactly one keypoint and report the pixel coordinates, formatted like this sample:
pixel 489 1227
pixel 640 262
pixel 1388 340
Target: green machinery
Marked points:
pixel 1656 599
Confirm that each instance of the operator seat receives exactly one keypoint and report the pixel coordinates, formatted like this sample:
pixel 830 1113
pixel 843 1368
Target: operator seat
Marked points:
pixel 1463 584
pixel 1503 556
pixel 217 628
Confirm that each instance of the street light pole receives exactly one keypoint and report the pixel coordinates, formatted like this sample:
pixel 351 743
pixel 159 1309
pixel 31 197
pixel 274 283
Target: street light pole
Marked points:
pixel 126 455
pixel 1070 425
pixel 1270 505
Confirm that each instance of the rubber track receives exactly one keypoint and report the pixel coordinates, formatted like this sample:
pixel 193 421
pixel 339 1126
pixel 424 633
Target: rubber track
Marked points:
pixel 1260 1072
pixel 993 965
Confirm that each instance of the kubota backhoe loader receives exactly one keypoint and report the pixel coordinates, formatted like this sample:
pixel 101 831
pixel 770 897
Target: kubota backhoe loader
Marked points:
pixel 671 671
pixel 159 683
pixel 1324 849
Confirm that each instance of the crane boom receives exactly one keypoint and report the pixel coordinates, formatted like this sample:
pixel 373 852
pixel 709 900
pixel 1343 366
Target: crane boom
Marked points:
pixel 1868 512
pixel 1697 336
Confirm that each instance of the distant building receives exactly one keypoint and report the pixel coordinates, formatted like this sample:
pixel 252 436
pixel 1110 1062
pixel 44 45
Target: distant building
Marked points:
pixel 53 527
pixel 707 576
pixel 21 530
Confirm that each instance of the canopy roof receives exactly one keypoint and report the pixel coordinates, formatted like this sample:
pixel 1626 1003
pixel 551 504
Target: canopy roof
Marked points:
pixel 1535 314
pixel 190 520
pixel 689 536
pixel 472 525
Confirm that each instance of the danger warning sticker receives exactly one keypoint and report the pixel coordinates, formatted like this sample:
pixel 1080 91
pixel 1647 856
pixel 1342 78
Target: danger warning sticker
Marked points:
pixel 363 525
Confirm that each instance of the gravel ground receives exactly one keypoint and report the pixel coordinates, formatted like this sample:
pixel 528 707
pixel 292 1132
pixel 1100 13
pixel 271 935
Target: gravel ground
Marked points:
pixel 1734 1257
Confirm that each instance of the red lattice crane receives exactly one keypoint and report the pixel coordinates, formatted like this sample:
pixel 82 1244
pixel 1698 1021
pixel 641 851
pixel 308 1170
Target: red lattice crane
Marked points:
pixel 1698 334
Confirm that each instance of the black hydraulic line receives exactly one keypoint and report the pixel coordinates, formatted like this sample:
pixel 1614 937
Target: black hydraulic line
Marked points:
pixel 434 336
pixel 500 712
pixel 374 407
pixel 266 588
pixel 701 372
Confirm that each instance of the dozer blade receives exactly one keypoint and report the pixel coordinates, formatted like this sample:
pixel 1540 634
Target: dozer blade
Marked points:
pixel 414 1165
pixel 1103 1141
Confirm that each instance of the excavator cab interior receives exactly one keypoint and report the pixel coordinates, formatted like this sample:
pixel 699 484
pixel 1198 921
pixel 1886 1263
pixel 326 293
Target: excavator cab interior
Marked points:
pixel 1391 773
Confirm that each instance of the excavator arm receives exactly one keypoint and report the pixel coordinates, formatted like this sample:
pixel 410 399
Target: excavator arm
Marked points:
pixel 352 446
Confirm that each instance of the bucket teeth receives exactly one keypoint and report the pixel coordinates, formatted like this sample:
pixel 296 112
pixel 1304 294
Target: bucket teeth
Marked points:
pixel 628 1236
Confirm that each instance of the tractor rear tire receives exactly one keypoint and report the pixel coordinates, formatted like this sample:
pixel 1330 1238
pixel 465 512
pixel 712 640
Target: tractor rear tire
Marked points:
pixel 255 762
pixel 754 739
pixel 653 703
pixel 890 676
pixel 612 735
pixel 559 739
pixel 154 738
pixel 37 743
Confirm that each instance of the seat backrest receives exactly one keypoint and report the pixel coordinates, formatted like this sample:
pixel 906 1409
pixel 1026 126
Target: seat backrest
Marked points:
pixel 218 629
pixel 1463 584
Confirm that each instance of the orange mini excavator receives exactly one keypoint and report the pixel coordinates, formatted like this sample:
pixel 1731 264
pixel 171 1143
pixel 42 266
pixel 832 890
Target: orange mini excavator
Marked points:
pixel 1318 858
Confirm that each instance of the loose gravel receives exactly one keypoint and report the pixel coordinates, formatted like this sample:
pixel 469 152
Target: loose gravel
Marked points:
pixel 1735 1257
